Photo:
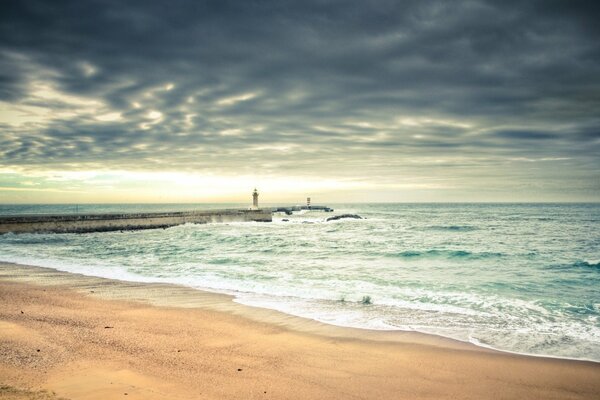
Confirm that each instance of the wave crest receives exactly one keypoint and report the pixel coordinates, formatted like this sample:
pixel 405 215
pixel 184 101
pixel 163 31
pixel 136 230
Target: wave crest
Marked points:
pixel 461 254
pixel 450 228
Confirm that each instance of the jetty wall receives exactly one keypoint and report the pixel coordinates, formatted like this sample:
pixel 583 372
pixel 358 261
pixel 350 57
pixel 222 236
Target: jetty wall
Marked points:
pixel 81 223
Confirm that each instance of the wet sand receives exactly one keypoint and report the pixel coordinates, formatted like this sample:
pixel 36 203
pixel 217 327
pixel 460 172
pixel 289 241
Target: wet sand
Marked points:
pixel 69 336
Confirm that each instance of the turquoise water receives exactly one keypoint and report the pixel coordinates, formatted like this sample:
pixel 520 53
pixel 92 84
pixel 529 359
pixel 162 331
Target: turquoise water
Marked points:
pixel 517 277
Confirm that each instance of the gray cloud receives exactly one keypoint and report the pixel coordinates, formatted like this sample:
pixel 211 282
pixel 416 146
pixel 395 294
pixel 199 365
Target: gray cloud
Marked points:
pixel 367 88
pixel 525 135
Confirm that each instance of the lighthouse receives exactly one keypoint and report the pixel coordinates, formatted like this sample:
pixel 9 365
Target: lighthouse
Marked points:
pixel 255 199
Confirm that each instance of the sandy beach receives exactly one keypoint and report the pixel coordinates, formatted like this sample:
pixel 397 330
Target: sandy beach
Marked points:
pixel 68 336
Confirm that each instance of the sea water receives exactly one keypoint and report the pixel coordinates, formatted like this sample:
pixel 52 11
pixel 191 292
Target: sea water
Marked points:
pixel 516 277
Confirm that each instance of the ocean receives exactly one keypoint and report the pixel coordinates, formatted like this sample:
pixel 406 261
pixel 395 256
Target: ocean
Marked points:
pixel 521 278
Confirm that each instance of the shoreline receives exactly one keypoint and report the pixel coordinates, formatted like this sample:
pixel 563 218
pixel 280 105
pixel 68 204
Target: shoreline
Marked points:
pixel 162 294
pixel 98 338
pixel 224 302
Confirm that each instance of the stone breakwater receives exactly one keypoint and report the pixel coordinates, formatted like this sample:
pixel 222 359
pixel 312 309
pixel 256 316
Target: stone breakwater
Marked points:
pixel 82 223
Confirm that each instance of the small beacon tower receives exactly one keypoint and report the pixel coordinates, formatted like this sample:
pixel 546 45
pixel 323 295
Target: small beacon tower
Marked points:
pixel 255 199
pixel 308 202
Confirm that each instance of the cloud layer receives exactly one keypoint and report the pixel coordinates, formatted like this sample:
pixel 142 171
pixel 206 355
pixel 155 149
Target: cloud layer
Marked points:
pixel 500 96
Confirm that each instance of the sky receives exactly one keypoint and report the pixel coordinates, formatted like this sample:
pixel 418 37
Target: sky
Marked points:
pixel 344 101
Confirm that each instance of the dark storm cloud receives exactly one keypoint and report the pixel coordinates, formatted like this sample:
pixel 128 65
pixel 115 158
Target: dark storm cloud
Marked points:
pixel 525 135
pixel 237 82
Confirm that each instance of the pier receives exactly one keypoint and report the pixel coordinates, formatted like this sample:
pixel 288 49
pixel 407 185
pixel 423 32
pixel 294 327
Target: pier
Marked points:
pixel 290 209
pixel 82 223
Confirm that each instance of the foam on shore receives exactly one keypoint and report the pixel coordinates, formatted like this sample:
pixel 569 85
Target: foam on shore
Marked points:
pixel 57 343
pixel 172 295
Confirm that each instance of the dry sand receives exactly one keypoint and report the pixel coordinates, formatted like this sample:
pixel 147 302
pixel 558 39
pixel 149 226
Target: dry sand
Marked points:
pixel 57 342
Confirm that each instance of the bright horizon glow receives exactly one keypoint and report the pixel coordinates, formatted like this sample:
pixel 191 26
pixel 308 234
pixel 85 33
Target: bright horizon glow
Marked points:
pixel 176 187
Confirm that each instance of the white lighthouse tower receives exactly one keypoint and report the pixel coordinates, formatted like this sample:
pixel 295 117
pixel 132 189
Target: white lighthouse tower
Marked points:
pixel 255 199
